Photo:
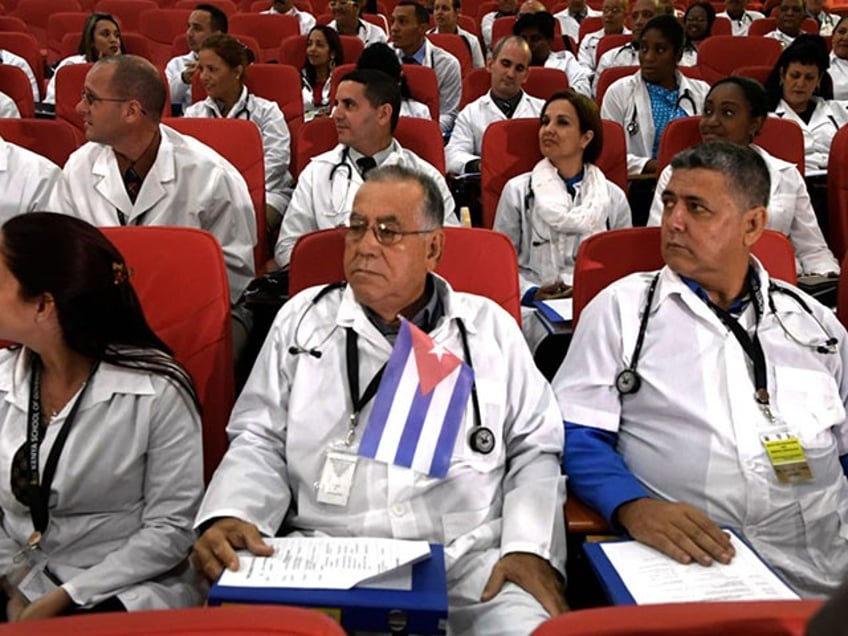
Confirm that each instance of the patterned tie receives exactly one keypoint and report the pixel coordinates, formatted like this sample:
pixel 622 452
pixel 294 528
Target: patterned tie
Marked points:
pixel 365 165
pixel 132 182
pixel 408 59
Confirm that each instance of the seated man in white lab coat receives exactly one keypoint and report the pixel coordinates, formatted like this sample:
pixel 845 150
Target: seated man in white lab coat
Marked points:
pixel 495 504
pixel 538 30
pixel 286 7
pixel 679 382
pixel 410 22
pixel 136 171
pixel 26 181
pixel 509 67
pixel 205 20
pixel 366 114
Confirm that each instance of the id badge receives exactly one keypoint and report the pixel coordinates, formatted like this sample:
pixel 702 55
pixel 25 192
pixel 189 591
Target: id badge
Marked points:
pixel 787 458
pixel 337 478
pixel 36 584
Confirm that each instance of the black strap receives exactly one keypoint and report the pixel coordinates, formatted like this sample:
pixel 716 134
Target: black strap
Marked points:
pixel 39 493
pixel 352 355
pixel 467 353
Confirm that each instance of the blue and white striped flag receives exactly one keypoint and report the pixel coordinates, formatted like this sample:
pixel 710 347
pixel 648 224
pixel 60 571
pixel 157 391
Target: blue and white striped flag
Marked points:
pixel 419 405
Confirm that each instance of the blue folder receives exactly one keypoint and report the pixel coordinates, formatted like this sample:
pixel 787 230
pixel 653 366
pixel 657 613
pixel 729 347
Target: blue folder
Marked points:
pixel 424 608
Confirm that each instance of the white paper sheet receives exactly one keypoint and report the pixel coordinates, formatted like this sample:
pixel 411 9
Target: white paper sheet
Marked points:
pixel 562 306
pixel 652 577
pixel 327 563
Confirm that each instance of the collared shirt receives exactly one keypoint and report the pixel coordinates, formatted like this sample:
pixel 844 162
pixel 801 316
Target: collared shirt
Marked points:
pixel 418 56
pixel 664 108
pixel 425 318
pixel 507 106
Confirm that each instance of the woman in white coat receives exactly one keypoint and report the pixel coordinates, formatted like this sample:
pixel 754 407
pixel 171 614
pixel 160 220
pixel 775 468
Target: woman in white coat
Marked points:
pixel 799 89
pixel 839 61
pixel 323 54
pixel 101 37
pixel 734 111
pixel 100 437
pixel 223 65
pixel 645 102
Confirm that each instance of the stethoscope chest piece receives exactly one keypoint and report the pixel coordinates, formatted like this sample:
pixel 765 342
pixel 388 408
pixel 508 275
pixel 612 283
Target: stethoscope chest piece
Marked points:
pixel 627 382
pixel 481 440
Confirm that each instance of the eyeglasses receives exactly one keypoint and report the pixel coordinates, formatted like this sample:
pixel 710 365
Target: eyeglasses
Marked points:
pixel 385 233
pixel 341 3
pixel 89 98
pixel 611 10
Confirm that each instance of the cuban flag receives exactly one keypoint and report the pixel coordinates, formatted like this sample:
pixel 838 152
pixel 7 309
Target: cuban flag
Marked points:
pixel 419 405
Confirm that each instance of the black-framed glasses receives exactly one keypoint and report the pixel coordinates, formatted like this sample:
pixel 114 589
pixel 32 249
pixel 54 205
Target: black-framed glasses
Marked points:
pixel 386 233
pixel 89 98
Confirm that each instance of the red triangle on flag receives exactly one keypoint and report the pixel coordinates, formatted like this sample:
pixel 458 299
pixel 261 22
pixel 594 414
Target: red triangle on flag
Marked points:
pixel 434 362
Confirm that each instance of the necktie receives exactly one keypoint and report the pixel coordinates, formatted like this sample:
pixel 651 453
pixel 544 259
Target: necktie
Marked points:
pixel 132 182
pixel 365 165
pixel 408 59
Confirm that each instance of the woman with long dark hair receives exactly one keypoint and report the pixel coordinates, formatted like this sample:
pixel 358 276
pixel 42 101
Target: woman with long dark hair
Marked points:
pixel 323 54
pixel 100 437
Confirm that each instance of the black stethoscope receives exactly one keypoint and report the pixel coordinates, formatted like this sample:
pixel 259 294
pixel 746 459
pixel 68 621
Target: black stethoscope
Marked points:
pixel 342 165
pixel 632 126
pixel 628 382
pixel 481 439
pixel 243 111
pixel 831 118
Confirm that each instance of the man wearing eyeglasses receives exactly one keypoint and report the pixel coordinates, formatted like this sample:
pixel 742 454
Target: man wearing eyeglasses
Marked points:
pixel 613 14
pixel 346 21
pixel 366 113
pixel 497 510
pixel 136 171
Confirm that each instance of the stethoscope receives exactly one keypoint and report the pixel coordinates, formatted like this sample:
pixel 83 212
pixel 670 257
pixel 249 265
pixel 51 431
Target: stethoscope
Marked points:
pixel 243 111
pixel 830 118
pixel 632 126
pixel 481 439
pixel 628 381
pixel 342 164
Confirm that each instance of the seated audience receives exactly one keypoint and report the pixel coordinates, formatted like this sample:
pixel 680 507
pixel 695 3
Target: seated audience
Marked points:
pixel 739 15
pixel 790 17
pixel 347 21
pixel 494 501
pixel 645 102
pixel 27 181
pixel 286 7
pixel 734 111
pixel 538 30
pixel 678 382
pixel 323 53
pixel 446 17
pixel 95 393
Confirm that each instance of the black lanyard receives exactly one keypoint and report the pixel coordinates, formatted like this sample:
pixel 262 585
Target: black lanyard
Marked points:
pixel 39 493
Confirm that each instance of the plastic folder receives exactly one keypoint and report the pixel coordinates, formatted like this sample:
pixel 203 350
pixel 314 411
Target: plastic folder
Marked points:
pixel 422 610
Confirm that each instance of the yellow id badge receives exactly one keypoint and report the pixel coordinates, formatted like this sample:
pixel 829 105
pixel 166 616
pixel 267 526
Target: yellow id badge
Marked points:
pixel 787 458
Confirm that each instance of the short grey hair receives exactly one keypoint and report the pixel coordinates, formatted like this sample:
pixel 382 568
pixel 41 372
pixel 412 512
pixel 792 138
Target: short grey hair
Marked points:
pixel 432 206
pixel 745 172
pixel 136 78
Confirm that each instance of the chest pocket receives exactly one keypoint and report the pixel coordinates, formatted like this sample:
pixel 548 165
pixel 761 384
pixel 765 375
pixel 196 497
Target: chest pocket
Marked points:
pixel 809 403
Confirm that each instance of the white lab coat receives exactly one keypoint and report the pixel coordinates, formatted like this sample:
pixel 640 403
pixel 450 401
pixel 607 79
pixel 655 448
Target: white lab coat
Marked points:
pixel 741 26
pixel 569 25
pixel 624 55
pixel 305 19
pixel 839 74
pixel 276 140
pixel 789 211
pixel 589 47
pixel 50 94
pixel 486 24
pixel 126 488
pixel 627 101
pixel 827 22
pixel 692 432
pixel 27 181
pixel 180 91
pixel 310 109
pixel 449 77
pixel 319 202
pixel 467 137
pixel 781 37
pixel 8 108
pixel 367 32
pixel 578 77
pixel 189 185
pixel 7 57
pixel 828 117
pixel 478 60
pixel 293 407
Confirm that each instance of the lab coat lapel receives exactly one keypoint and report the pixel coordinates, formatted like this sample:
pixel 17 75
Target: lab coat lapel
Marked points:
pixel 161 172
pixel 108 182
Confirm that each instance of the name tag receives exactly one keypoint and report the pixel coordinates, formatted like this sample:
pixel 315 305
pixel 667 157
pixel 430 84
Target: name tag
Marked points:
pixel 336 478
pixel 787 458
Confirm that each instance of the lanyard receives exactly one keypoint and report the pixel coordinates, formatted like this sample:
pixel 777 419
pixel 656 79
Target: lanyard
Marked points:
pixel 359 401
pixel 39 493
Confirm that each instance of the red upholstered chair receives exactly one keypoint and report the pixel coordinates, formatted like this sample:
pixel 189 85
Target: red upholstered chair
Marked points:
pixel 754 71
pixel 15 25
pixel 456 46
pixel 69 84
pixel 26 46
pixel 611 42
pixel 49 138
pixel 762 618
pixel 474 85
pixel 233 620
pixel 721 26
pixel 269 31
pixel 181 281
pixel 58 24
pixel 610 76
pixel 293 50
pixel 589 24
pixel 767 25
pixel 126 11
pixel 37 12
pixel 227 6
pixel 15 83
pixel 314 138
pixel 161 27
pixel 720 55
pixel 544 82
pixel 604 258
pixel 837 193
pixel 239 142
pixel 779 137
pixel 317 259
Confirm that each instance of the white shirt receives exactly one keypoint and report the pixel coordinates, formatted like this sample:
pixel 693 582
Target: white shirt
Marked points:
pixel 306 20
pixel 578 77
pixel 569 25
pixel 466 140
pixel 536 253
pixel 367 32
pixel 449 78
pixel 126 488
pixel 320 201
pixel 189 185
pixel 839 74
pixel 692 432
pixel 828 117
pixel 26 181
pixel 292 407
pixel 50 94
pixel 11 59
pixel 310 109
pixel 627 101
pixel 741 26
pixel 8 108
pixel 827 22
pixel 478 60
pixel 624 55
pixel 276 140
pixel 781 37
pixel 180 91
pixel 589 47
pixel 789 211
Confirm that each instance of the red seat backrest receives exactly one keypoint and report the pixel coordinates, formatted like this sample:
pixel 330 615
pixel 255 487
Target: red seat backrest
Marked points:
pixel 227 6
pixel 609 42
pixel 161 27
pixel 49 138
pixel 475 85
pixel 35 13
pixel 15 83
pixel 293 50
pixel 25 46
pixel 589 24
pixel 837 198
pixel 721 26
pixel 269 31
pixel 544 82
pixel 456 46
pixel 754 71
pixel 10 23
pixel 70 80
pixel 58 24
pixel 720 55
pixel 610 76
pixel 317 259
pixel 762 26
pixel 127 12
pixel 181 281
